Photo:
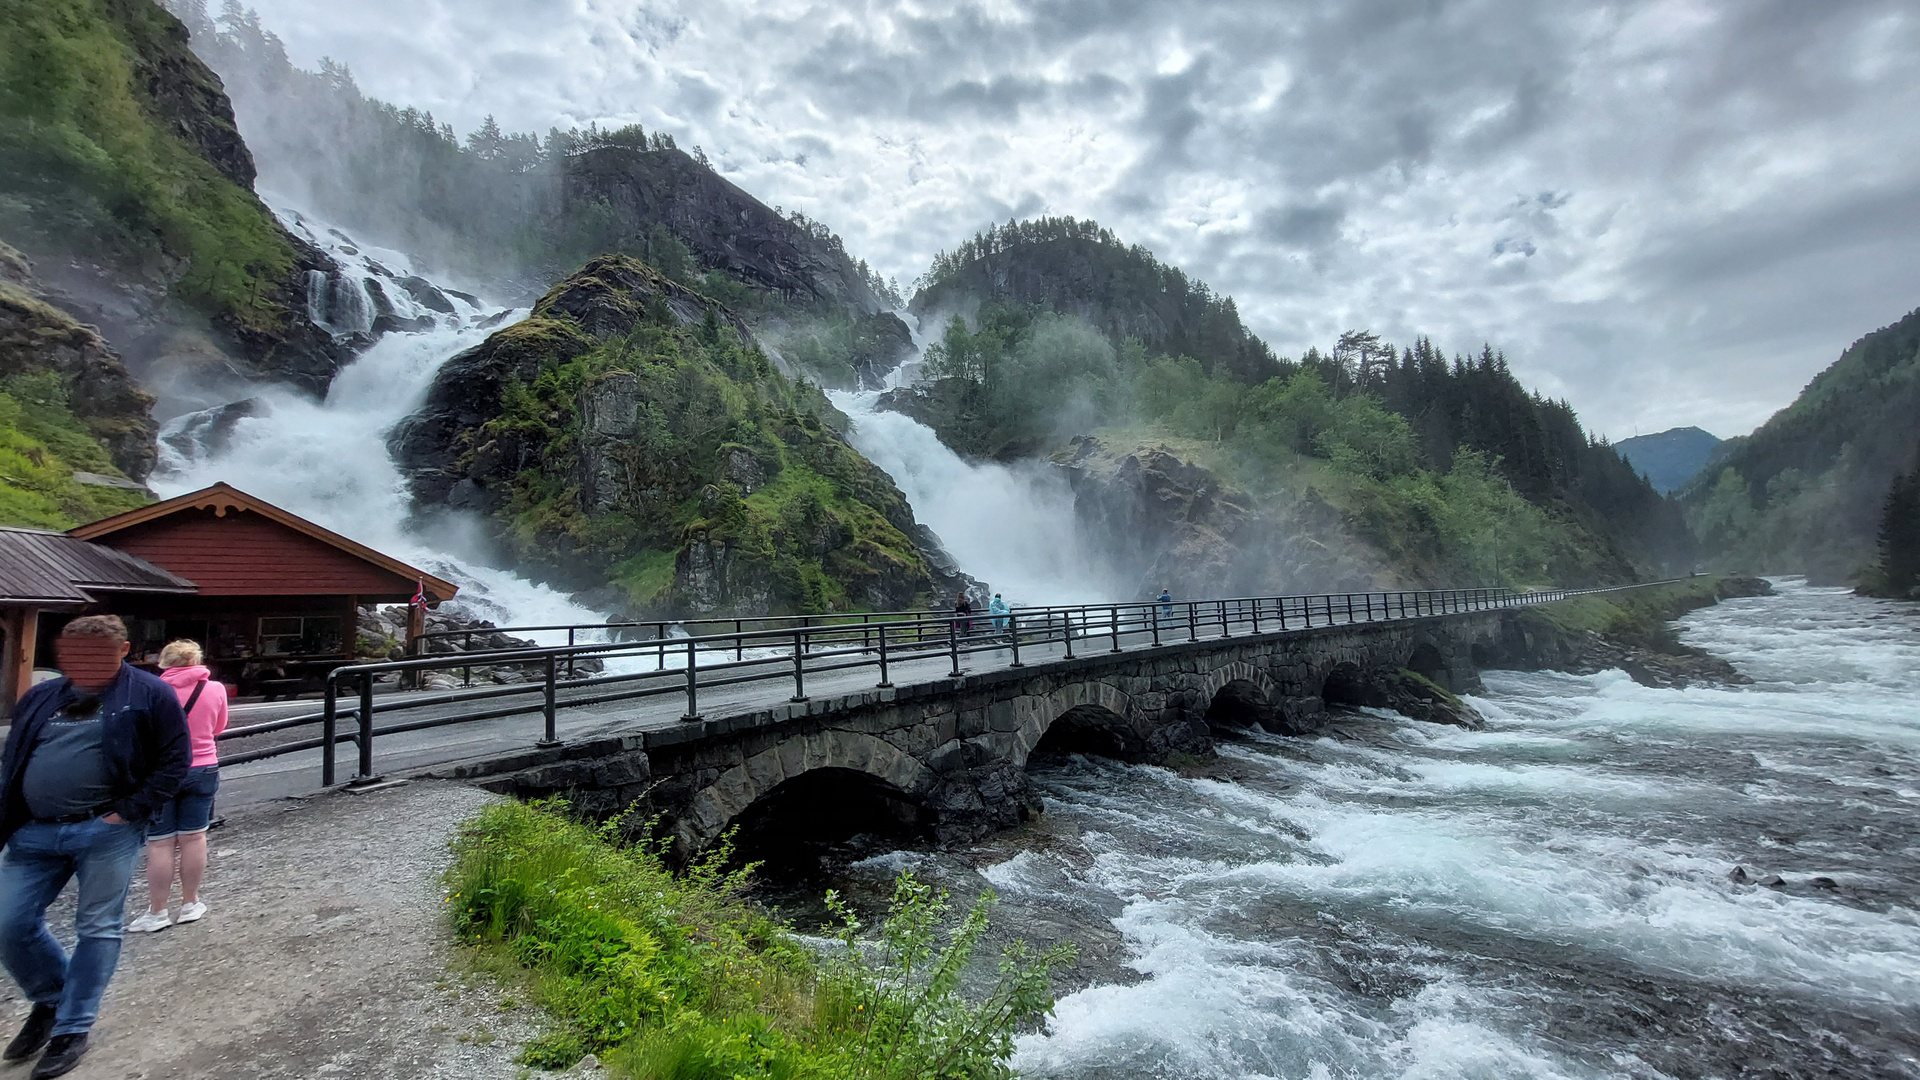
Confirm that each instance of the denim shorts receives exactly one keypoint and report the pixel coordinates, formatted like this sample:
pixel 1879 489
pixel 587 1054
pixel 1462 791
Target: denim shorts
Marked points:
pixel 191 808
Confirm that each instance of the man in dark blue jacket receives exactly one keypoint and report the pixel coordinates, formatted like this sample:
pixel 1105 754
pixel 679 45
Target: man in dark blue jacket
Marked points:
pixel 88 760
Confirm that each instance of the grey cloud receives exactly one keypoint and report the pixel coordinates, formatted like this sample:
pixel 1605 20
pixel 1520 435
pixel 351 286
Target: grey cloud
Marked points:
pixel 1631 203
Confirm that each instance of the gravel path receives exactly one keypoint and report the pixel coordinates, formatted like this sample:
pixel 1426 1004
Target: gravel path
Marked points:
pixel 325 954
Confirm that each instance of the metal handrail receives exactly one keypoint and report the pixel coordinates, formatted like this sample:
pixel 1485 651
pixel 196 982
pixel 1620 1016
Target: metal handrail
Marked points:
pixel 803 646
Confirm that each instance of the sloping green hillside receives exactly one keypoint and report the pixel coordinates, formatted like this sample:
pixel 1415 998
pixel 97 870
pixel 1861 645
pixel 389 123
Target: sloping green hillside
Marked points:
pixel 630 430
pixel 91 155
pixel 1805 492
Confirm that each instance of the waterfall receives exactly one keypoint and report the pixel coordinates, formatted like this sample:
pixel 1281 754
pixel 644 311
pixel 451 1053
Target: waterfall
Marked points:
pixel 328 461
pixel 1012 526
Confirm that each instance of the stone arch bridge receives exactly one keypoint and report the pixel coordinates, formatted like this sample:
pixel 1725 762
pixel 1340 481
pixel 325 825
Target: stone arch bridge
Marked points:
pixel 946 759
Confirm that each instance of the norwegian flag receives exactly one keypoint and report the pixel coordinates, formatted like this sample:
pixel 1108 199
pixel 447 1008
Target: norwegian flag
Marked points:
pixel 420 594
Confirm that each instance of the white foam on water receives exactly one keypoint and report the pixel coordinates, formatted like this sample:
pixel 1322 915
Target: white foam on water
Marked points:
pixel 1595 819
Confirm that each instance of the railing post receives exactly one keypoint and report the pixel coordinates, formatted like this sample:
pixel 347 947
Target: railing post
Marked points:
pixel 1066 630
pixel 1013 637
pixel 1349 607
pixel 739 643
pixel 660 635
pixel 1225 631
pixel 953 646
pixel 1193 622
pixel 799 676
pixel 569 652
pixel 366 731
pixel 884 680
pixel 329 730
pixel 1156 625
pixel 1256 616
pixel 1116 627
pixel 693 685
pixel 547 704
pixel 1280 604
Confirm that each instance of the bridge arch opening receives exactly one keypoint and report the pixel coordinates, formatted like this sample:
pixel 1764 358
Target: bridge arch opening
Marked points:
pixel 793 825
pixel 1346 687
pixel 1239 704
pixel 1427 662
pixel 1085 729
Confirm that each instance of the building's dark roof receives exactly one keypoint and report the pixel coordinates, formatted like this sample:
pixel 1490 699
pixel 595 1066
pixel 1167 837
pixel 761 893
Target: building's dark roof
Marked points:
pixel 54 569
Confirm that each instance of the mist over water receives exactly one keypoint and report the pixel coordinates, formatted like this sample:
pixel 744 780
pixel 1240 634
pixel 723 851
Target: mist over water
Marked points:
pixel 1012 526
pixel 1546 898
pixel 328 461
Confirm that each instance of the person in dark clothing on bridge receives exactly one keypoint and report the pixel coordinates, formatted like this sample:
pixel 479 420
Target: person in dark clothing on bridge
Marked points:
pixel 89 759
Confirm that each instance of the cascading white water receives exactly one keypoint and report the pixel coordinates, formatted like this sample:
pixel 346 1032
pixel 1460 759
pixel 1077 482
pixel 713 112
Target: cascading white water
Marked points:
pixel 1011 526
pixel 328 461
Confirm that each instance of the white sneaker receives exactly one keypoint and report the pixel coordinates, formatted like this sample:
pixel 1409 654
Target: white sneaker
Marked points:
pixel 192 912
pixel 149 921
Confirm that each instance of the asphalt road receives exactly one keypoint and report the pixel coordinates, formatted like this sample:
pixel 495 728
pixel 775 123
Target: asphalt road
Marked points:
pixel 299 772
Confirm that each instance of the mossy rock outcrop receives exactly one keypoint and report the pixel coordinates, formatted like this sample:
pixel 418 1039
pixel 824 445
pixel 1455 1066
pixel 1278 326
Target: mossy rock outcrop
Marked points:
pixel 76 433
pixel 630 439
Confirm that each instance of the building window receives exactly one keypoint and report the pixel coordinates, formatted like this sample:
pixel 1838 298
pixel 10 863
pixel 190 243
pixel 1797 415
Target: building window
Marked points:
pixel 299 635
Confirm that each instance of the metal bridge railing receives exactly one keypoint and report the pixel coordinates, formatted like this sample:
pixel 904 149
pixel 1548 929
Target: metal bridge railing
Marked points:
pixel 794 649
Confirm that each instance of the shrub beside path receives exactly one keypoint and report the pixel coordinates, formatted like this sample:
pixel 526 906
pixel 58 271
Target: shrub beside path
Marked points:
pixel 326 954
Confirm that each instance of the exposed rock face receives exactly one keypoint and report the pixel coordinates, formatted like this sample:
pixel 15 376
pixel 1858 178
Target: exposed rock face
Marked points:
pixel 631 419
pixel 726 228
pixel 36 337
pixel 1176 526
pixel 881 343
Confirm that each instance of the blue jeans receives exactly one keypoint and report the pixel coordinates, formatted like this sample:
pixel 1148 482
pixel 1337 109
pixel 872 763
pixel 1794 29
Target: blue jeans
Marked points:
pixel 38 861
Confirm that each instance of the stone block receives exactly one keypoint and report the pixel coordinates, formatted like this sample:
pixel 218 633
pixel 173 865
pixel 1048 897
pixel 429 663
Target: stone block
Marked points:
pixel 567 774
pixel 619 771
pixel 1001 716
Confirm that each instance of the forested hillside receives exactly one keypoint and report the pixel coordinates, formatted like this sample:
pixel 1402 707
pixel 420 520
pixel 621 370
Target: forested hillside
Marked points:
pixel 1448 467
pixel 1806 492
pixel 1077 268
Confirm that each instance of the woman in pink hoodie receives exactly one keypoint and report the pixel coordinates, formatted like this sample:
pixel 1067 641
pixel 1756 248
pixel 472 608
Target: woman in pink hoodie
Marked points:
pixel 180 826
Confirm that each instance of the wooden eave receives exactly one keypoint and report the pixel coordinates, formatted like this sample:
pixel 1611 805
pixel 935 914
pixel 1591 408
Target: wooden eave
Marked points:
pixel 222 498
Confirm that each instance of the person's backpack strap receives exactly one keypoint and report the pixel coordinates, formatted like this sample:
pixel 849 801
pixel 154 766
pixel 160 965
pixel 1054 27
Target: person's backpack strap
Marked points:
pixel 193 699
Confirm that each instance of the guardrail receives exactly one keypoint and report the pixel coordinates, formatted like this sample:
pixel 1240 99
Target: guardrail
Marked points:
pixel 799 647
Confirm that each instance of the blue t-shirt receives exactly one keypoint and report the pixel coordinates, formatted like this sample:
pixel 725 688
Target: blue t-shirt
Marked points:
pixel 67 769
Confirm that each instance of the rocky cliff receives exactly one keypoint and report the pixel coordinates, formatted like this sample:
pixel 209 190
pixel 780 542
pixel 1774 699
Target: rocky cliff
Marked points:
pixel 631 439
pixel 76 434
pixel 123 175
pixel 1176 525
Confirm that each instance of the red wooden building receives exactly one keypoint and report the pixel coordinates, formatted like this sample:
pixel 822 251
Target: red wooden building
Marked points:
pixel 275 595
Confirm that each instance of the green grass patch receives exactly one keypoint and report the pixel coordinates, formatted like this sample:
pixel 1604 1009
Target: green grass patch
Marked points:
pixel 1635 616
pixel 42 444
pixel 676 977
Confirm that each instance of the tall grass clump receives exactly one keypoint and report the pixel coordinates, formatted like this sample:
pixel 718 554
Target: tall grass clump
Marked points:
pixel 677 977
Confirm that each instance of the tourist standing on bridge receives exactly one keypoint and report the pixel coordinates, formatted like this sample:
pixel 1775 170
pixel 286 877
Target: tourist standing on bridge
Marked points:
pixel 90 758
pixel 1000 611
pixel 180 826
pixel 1165 612
pixel 963 607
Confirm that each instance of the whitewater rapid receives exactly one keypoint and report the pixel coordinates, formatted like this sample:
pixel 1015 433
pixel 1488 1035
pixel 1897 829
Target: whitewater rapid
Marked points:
pixel 1549 897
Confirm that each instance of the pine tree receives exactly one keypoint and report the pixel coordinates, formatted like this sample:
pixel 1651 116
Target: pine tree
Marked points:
pixel 1899 570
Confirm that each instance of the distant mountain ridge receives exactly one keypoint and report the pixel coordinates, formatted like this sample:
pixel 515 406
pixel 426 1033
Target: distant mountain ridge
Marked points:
pixel 1669 458
pixel 1805 492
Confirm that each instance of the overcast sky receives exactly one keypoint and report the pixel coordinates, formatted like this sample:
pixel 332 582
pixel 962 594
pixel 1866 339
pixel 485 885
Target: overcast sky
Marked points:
pixel 1669 213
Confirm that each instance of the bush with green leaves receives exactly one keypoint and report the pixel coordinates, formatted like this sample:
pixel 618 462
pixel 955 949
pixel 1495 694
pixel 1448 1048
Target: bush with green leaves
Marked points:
pixel 678 977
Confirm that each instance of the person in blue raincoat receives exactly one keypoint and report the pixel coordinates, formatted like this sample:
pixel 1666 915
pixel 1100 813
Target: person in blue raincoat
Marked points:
pixel 998 608
pixel 1165 600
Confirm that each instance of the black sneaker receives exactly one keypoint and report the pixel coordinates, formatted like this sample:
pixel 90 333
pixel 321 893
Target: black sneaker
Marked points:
pixel 63 1053
pixel 33 1034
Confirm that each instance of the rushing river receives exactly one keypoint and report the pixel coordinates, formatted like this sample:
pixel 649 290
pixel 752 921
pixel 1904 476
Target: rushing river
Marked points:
pixel 1549 897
